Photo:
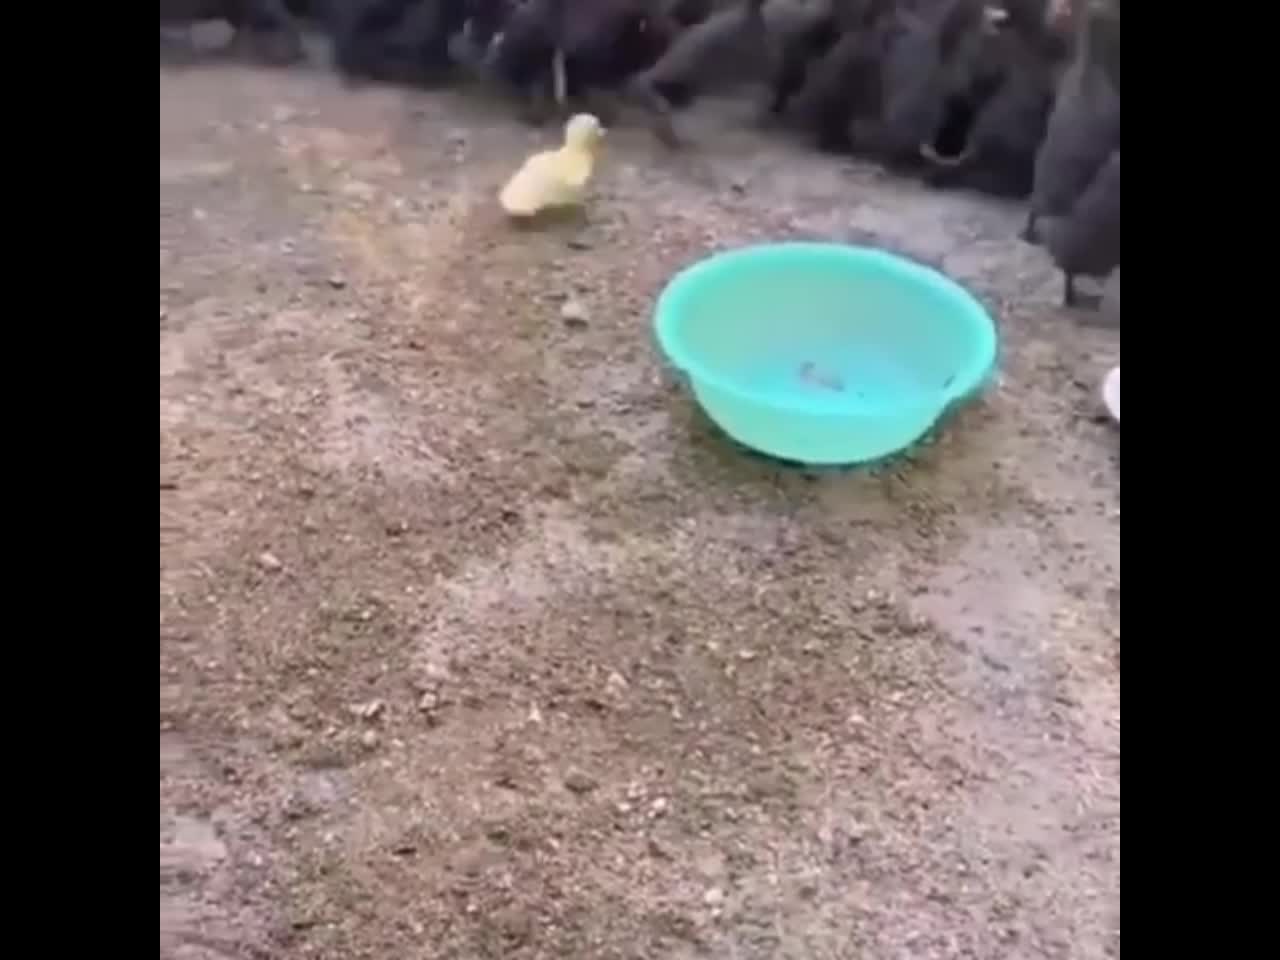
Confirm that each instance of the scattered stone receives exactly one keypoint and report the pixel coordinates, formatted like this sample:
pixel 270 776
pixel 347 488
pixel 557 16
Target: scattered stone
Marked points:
pixel 430 701
pixel 574 314
pixel 370 710
pixel 746 655
pixel 616 683
pixel 436 672
pixel 369 739
pixel 270 562
pixel 658 807
pixel 298 805
pixel 580 782
pixel 714 897
pixel 337 282
pixel 910 624
pixel 579 243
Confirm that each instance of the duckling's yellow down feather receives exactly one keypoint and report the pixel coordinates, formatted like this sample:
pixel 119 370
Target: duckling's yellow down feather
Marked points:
pixel 555 178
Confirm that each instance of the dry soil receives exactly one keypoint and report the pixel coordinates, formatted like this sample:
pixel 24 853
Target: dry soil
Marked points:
pixel 476 641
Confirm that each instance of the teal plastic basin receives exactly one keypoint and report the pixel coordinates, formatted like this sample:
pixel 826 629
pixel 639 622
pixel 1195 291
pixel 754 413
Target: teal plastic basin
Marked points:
pixel 824 353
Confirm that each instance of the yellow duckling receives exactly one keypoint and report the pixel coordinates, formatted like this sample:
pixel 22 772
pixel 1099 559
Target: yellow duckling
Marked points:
pixel 555 178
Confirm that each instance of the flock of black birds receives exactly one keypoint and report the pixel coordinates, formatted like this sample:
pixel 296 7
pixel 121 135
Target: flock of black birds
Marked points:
pixel 1015 98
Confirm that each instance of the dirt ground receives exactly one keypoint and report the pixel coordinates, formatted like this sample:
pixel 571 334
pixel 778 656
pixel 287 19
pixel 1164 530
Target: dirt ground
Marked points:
pixel 476 641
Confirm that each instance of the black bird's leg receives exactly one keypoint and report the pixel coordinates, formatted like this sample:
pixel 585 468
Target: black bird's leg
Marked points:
pixel 1074 299
pixel 1029 234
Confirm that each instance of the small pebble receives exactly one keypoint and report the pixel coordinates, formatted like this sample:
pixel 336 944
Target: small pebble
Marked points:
pixel 713 897
pixel 429 702
pixel 579 782
pixel 616 682
pixel 573 313
pixel 369 739
pixel 436 672
pixel 270 562
pixel 298 805
pixel 658 807
pixel 337 282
